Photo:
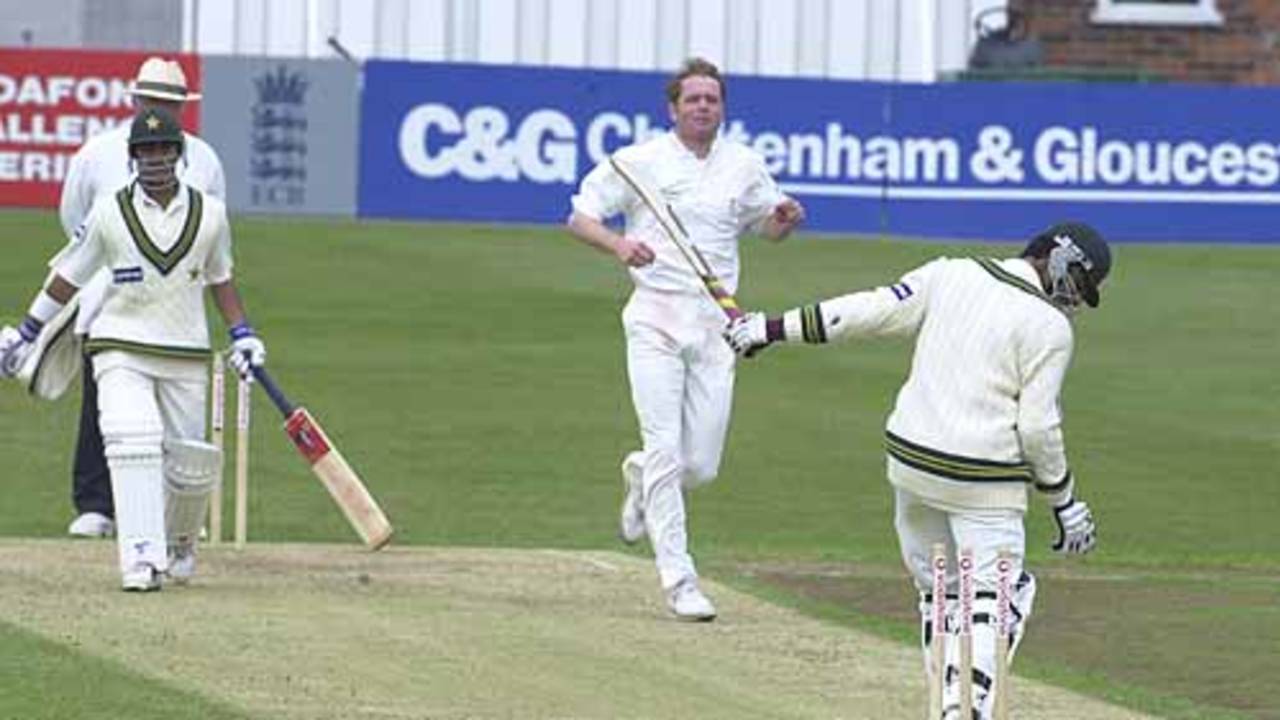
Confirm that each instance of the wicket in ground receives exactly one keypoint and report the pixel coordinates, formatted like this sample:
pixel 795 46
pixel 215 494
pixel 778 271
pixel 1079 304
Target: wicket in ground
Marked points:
pixel 940 633
pixel 217 425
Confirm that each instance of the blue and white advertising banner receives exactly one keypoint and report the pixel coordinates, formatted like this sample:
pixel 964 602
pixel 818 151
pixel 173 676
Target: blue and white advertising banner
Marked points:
pixel 968 160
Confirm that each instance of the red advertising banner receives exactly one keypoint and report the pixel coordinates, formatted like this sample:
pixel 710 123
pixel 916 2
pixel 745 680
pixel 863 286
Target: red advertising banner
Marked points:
pixel 51 101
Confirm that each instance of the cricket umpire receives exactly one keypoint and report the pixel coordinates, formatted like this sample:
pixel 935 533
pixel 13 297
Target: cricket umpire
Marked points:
pixel 978 420
pixel 103 165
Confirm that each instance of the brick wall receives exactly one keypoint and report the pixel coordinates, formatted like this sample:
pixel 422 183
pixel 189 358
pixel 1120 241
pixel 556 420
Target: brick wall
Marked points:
pixel 1245 49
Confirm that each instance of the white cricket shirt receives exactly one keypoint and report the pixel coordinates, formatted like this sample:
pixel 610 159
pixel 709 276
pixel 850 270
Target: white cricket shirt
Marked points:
pixel 716 198
pixel 157 262
pixel 102 165
pixel 978 418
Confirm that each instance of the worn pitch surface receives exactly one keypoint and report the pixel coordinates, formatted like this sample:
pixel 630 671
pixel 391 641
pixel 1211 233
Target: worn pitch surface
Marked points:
pixel 317 631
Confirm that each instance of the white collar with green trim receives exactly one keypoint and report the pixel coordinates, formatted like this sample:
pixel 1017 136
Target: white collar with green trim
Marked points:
pixel 1023 269
pixel 142 200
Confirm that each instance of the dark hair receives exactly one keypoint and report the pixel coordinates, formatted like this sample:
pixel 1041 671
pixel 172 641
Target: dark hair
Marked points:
pixel 694 66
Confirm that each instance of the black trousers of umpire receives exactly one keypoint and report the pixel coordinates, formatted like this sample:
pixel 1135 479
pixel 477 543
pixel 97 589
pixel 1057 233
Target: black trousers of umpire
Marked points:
pixel 90 479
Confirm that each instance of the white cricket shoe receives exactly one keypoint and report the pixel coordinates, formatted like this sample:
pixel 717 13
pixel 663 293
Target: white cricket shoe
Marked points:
pixel 689 604
pixel 182 563
pixel 92 525
pixel 142 577
pixel 631 525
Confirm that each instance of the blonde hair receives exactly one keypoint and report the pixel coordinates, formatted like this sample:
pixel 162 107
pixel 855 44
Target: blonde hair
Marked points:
pixel 693 67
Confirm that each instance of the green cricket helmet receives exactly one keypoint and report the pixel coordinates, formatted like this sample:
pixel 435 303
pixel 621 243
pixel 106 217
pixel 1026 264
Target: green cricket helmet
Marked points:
pixel 154 126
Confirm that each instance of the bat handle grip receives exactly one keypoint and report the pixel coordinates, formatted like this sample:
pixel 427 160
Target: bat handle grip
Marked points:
pixel 273 390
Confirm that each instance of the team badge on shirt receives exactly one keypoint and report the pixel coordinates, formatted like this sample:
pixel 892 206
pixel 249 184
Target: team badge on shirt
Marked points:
pixel 121 276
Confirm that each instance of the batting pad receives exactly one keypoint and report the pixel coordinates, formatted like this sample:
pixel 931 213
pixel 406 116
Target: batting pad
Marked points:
pixel 138 493
pixel 191 471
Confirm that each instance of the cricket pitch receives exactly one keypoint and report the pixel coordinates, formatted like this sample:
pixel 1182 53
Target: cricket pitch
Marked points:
pixel 323 631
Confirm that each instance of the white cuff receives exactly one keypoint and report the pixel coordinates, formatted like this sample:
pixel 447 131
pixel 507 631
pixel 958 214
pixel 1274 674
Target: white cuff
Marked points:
pixel 792 327
pixel 1060 495
pixel 44 307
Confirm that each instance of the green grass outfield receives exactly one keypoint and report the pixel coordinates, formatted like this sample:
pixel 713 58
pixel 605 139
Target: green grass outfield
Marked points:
pixel 474 375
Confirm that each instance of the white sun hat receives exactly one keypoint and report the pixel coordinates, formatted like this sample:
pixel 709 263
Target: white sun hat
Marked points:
pixel 163 80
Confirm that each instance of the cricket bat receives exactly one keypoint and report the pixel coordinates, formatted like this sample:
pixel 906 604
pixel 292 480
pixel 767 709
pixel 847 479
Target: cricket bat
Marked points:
pixel 346 488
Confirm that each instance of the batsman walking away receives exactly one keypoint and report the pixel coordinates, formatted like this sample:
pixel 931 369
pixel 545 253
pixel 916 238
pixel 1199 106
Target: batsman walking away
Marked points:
pixel 680 369
pixel 976 423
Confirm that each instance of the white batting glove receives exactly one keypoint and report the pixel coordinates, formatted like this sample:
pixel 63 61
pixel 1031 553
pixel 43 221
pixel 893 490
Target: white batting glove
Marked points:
pixel 247 351
pixel 748 334
pixel 15 345
pixel 1077 533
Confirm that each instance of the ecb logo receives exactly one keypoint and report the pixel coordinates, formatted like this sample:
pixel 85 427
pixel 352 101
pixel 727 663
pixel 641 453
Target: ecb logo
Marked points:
pixel 278 153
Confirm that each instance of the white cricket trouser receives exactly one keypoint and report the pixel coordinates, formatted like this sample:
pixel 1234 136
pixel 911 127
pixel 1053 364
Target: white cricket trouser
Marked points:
pixel 142 400
pixel 984 532
pixel 681 372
